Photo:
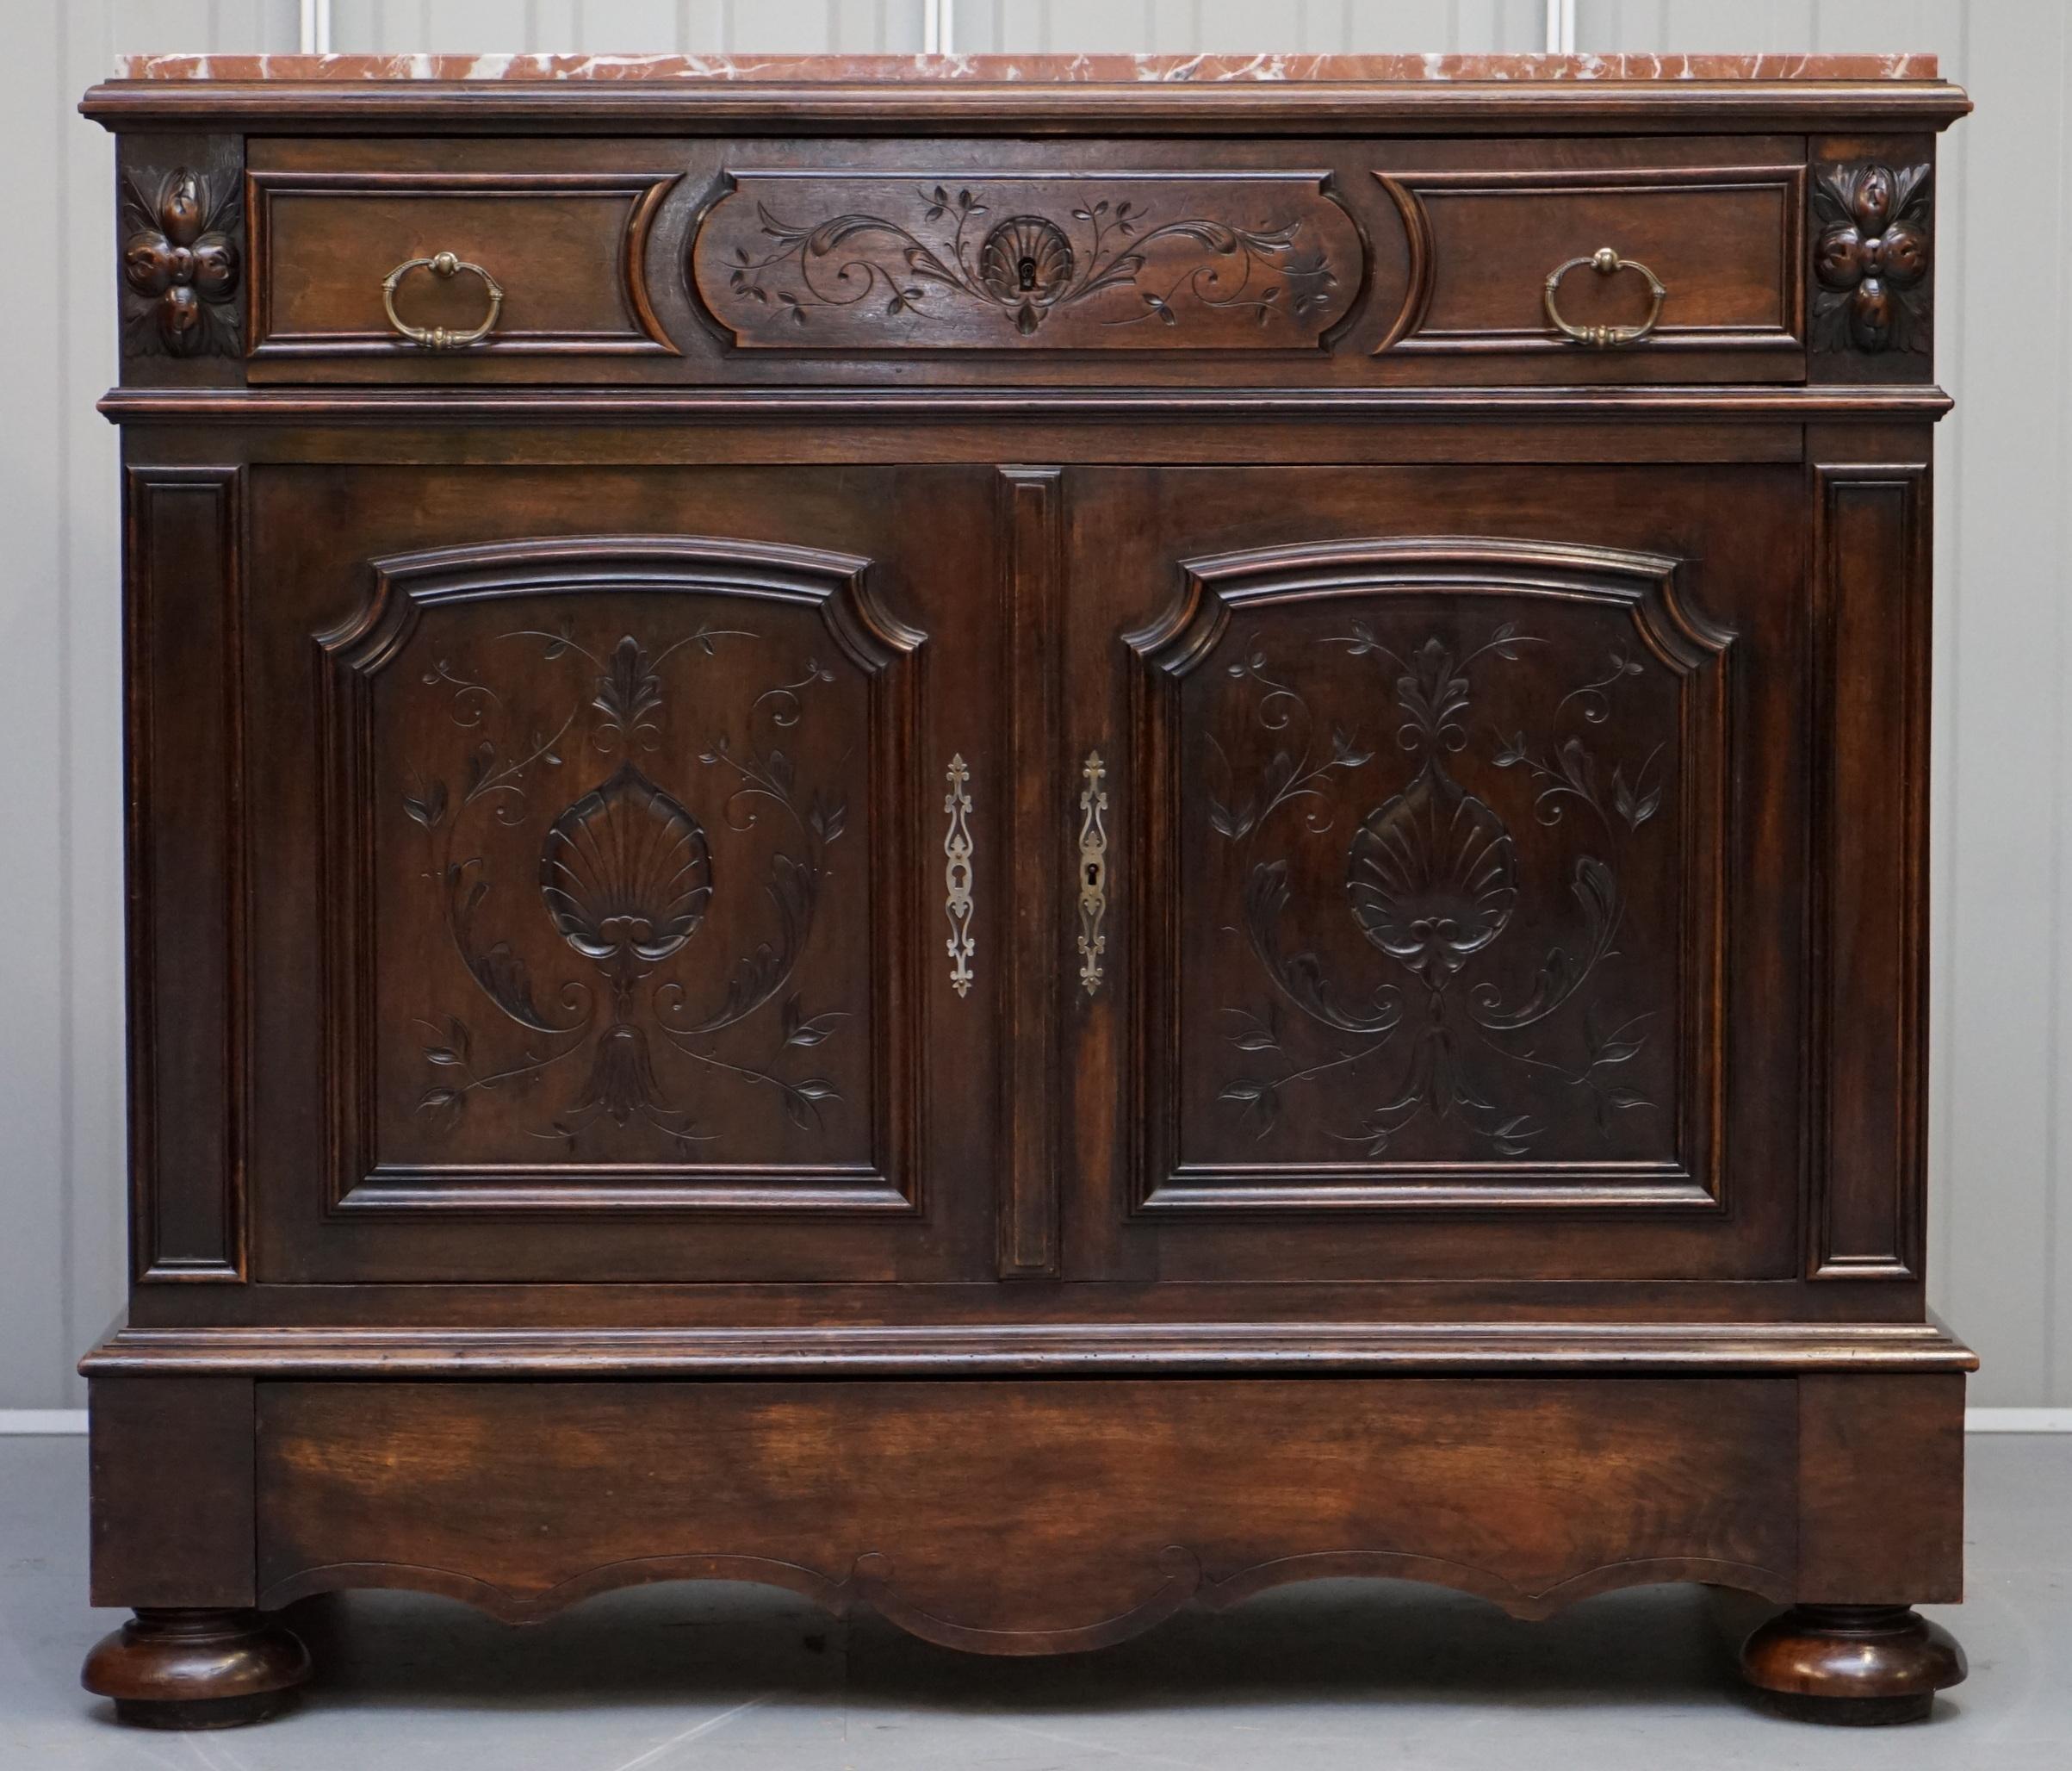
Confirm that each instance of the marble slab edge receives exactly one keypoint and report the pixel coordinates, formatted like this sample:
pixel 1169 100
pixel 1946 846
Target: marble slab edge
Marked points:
pixel 1011 70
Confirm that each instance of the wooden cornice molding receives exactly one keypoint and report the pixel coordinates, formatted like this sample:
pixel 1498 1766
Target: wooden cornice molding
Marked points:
pixel 951 1348
pixel 503 407
pixel 1308 107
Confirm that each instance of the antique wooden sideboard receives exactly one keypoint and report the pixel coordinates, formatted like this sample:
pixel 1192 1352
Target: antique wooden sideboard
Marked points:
pixel 1025 840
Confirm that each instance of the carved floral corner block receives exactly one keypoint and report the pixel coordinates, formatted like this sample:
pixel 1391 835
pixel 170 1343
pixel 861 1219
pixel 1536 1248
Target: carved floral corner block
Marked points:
pixel 1871 258
pixel 180 265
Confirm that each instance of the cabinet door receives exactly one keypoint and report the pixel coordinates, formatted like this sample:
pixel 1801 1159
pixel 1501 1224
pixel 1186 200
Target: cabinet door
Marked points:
pixel 1453 877
pixel 595 819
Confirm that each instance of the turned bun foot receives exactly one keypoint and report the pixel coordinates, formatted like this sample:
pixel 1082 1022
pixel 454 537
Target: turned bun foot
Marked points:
pixel 196 1669
pixel 1865 1665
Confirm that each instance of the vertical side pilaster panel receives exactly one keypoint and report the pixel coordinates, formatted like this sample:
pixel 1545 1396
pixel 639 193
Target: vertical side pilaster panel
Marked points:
pixel 1870 925
pixel 186 960
pixel 1031 527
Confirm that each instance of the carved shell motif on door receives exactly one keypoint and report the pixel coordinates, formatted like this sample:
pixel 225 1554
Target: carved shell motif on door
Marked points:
pixel 626 876
pixel 1434 882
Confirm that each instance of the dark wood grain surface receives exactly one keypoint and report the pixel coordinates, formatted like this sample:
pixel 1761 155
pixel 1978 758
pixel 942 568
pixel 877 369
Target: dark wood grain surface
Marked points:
pixel 1131 1498
pixel 1025 863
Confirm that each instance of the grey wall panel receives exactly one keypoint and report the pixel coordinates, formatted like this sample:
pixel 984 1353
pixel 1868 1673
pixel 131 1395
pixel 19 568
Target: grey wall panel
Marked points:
pixel 2002 979
pixel 32 622
pixel 1190 27
pixel 598 26
pixel 89 1174
pixel 2001 1248
pixel 2004 776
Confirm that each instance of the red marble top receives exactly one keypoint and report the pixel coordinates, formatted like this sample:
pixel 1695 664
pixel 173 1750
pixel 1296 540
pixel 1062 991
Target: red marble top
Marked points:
pixel 1090 70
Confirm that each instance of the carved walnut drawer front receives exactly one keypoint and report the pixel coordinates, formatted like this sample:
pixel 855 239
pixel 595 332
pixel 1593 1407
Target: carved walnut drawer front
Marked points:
pixel 1149 262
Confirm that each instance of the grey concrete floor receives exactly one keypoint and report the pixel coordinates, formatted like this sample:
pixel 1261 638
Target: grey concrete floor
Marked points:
pixel 1339 1674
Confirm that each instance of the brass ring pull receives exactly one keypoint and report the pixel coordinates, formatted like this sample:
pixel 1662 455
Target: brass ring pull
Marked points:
pixel 1606 262
pixel 438 338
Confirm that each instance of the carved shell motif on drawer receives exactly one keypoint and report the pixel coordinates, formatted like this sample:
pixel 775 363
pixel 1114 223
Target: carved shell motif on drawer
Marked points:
pixel 1125 261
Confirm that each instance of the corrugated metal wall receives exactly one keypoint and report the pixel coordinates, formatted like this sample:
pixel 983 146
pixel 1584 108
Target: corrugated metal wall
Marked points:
pixel 2002 985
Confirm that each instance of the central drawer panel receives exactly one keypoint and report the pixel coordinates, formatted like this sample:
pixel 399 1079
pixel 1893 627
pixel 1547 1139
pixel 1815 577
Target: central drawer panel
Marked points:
pixel 1123 262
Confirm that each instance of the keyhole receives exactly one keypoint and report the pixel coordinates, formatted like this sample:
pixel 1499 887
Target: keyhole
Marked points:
pixel 1028 268
pixel 1092 873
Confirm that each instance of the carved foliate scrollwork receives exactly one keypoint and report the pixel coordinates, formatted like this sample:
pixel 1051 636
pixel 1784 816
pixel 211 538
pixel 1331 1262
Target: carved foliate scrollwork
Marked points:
pixel 1432 879
pixel 181 263
pixel 1244 262
pixel 1872 257
pixel 626 874
pixel 1027 266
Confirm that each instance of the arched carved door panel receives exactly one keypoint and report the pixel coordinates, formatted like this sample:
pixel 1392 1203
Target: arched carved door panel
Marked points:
pixel 586 807
pixel 619 898
pixel 1441 795
pixel 1426 896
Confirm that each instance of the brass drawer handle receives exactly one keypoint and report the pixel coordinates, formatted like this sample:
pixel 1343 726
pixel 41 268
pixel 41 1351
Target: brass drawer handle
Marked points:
pixel 1606 262
pixel 438 338
pixel 1092 872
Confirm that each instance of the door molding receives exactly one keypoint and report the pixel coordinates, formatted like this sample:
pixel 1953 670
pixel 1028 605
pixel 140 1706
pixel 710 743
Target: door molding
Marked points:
pixel 353 655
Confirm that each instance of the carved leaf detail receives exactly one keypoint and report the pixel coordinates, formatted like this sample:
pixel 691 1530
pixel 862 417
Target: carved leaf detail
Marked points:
pixel 445 1106
pixel 628 691
pixel 1028 266
pixel 1595 890
pixel 456 1048
pixel 622 1085
pixel 428 805
pixel 1301 975
pixel 760 973
pixel 800 1030
pixel 1634 801
pixel 502 975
